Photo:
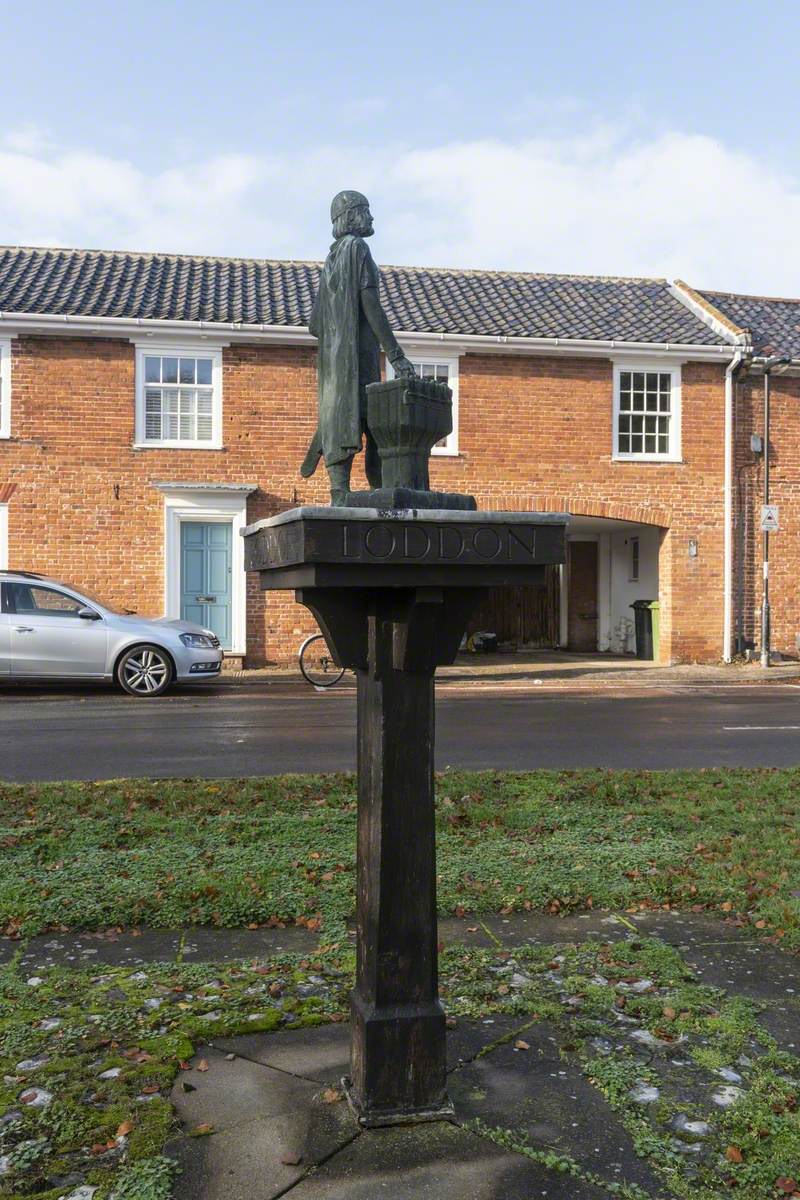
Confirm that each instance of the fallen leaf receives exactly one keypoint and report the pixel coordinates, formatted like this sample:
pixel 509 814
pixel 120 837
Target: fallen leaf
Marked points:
pixel 202 1065
pixel 520 1045
pixel 472 929
pixel 669 1013
pixel 202 1130
pixel 125 1128
pixel 503 989
pixel 291 1160
pixel 733 1154
pixel 762 924
pixel 150 1089
pixel 331 1096
pixel 785 1184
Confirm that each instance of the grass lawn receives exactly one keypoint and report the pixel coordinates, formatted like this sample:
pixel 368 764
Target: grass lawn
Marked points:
pixel 239 852
pixel 88 1058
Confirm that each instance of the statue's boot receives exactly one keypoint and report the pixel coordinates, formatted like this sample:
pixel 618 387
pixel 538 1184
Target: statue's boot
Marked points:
pixel 339 475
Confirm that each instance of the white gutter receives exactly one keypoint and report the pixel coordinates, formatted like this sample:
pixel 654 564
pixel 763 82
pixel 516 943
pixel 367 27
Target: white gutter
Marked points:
pixel 727 518
pixel 298 335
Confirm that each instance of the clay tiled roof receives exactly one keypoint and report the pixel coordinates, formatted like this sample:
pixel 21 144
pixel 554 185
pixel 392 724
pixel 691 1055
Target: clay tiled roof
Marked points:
pixel 773 323
pixel 96 283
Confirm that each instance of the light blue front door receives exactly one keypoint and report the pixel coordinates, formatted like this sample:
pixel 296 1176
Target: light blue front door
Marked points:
pixel 206 576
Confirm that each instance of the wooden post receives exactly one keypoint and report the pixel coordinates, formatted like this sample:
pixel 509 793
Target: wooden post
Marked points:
pixel 398 1057
pixel 398 1039
pixel 393 597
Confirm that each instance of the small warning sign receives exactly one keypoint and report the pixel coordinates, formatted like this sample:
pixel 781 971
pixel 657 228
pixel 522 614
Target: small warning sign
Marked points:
pixel 769 518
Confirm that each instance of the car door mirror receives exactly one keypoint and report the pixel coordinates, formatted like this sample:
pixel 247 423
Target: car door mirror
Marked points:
pixel 88 614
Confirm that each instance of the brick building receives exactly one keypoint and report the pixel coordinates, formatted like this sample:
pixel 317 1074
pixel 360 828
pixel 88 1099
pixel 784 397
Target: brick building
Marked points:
pixel 152 405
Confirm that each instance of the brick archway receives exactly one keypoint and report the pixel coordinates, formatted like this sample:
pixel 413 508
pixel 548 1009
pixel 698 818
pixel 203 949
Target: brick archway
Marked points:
pixel 629 513
pixel 580 506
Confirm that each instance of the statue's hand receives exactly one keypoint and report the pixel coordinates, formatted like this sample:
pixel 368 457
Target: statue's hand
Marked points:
pixel 403 368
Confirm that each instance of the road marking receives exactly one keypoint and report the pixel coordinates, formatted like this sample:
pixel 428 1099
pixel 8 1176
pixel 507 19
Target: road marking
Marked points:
pixel 759 728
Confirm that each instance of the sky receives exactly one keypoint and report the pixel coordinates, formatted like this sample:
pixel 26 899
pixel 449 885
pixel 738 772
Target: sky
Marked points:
pixel 604 137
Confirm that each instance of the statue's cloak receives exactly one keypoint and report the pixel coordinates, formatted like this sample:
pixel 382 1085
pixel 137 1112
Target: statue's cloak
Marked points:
pixel 348 353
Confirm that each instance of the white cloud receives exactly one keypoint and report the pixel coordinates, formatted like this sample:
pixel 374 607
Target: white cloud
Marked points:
pixel 606 202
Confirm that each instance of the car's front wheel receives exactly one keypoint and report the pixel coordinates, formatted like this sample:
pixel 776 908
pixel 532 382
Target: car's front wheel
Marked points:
pixel 144 671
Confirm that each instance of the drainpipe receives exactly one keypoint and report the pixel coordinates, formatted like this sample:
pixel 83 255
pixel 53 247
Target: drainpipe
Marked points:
pixel 727 520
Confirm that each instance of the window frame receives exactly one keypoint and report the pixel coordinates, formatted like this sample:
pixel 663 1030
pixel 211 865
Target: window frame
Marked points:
pixel 5 387
pixel 163 350
pixel 674 454
pixel 634 565
pixel 37 585
pixel 421 354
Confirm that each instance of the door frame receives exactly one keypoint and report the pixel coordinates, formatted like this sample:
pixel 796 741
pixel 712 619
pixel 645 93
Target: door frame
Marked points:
pixel 204 525
pixel 225 504
pixel 603 591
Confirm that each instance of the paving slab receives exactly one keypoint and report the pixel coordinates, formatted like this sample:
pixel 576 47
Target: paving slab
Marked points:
pixel 749 968
pixel 687 928
pixel 782 1021
pixel 231 1093
pixel 228 945
pixel 113 949
pixel 435 1162
pixel 517 929
pixel 536 1092
pixel 269 1128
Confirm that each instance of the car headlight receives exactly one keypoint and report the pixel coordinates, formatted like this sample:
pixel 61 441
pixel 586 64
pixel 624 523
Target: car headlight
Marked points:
pixel 200 641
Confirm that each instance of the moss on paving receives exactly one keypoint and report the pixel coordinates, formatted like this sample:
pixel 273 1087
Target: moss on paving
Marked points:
pixel 168 853
pixel 143 1023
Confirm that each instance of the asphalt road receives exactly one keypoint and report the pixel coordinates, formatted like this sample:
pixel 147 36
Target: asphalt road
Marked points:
pixel 228 730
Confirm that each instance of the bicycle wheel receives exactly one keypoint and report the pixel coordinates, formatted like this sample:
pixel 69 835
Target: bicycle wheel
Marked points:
pixel 316 663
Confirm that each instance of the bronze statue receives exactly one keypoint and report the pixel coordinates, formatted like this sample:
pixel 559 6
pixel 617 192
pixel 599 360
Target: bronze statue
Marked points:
pixel 351 328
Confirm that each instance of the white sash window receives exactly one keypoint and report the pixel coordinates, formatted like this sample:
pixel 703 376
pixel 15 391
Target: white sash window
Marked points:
pixel 179 397
pixel 647 412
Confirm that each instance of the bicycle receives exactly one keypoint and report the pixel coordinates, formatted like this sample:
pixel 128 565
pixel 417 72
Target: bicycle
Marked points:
pixel 316 663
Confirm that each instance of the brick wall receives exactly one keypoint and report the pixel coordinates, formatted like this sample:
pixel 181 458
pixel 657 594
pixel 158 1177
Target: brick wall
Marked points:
pixel 535 433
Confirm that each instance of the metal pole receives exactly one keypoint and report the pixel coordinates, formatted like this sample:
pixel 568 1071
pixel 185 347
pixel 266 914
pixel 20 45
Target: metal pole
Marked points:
pixel 765 630
pixel 769 363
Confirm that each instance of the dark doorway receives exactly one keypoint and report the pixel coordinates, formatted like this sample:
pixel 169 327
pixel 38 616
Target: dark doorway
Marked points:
pixel 582 597
pixel 522 616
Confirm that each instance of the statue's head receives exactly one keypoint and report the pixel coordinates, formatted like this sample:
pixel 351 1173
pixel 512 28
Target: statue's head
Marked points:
pixel 350 214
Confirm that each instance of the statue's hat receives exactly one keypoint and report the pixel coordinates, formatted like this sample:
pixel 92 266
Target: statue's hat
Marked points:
pixel 344 200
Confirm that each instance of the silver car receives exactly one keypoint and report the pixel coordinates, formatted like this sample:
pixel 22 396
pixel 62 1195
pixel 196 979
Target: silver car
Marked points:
pixel 50 630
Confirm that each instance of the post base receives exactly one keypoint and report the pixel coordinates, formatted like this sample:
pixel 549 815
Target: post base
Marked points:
pixel 378 1118
pixel 410 498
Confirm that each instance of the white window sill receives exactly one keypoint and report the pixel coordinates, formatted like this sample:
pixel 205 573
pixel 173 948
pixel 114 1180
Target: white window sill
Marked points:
pixel 5 437
pixel 177 446
pixel 646 458
pixel 444 454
